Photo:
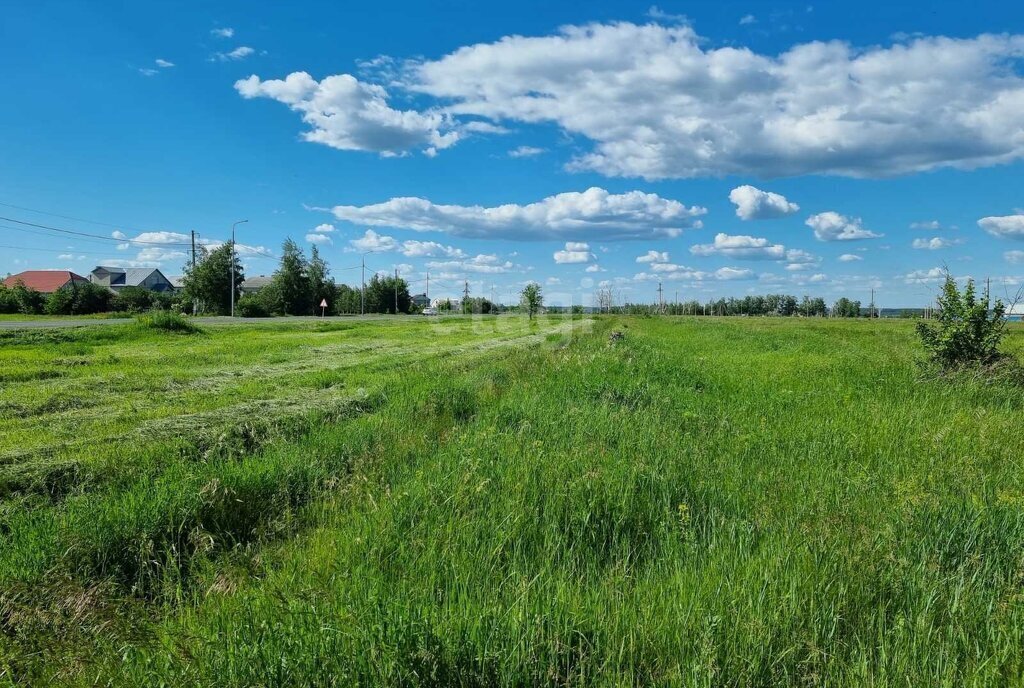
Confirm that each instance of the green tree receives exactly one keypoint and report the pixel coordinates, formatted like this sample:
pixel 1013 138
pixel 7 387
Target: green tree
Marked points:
pixel 133 299
pixel 380 295
pixel 208 283
pixel 291 285
pixel 531 299
pixel 346 299
pixel 26 301
pixel 320 284
pixel 968 329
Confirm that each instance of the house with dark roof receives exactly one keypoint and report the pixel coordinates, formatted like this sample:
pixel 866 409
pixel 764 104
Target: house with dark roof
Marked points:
pixel 45 281
pixel 420 300
pixel 116 279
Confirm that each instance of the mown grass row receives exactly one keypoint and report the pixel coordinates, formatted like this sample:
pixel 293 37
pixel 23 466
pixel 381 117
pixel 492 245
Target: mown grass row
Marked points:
pixel 734 502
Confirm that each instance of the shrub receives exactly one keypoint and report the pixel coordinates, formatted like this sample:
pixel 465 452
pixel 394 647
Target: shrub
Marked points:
pixel 133 300
pixel 79 299
pixel 169 321
pixel 252 306
pixel 968 330
pixel 8 302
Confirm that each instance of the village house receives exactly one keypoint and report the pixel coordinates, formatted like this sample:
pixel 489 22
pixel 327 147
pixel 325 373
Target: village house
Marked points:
pixel 45 281
pixel 116 278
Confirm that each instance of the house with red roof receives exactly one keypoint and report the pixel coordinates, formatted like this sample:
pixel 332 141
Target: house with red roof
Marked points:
pixel 45 281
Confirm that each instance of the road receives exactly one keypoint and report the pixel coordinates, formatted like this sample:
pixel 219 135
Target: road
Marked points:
pixel 213 320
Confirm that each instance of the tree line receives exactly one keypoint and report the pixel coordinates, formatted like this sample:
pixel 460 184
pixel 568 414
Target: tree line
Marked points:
pixel 770 304
pixel 297 287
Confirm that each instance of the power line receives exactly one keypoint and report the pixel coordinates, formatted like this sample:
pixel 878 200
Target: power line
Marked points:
pixel 93 236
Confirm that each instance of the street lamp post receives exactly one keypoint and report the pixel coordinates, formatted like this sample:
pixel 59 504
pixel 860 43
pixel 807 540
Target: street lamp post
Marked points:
pixel 231 267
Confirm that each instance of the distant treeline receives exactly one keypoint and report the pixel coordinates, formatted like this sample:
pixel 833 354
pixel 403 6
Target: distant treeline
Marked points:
pixel 771 304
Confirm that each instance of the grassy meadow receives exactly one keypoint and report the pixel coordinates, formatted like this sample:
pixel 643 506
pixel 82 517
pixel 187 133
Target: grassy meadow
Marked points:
pixel 494 502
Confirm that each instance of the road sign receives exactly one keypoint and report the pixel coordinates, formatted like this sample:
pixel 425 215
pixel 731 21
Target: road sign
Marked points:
pixel 323 307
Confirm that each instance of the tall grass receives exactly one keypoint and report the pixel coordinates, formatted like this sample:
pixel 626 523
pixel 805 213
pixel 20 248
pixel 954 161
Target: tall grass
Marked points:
pixel 728 502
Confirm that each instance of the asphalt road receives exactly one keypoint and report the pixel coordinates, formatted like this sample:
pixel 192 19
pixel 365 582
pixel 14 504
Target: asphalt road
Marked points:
pixel 217 320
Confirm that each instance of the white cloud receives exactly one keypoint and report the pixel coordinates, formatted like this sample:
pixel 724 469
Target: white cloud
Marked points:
pixel 164 64
pixel 653 257
pixel 831 226
pixel 747 19
pixel 934 244
pixel 371 241
pixel 681 273
pixel 430 249
pixel 594 267
pixel 1014 257
pixel 223 32
pixel 658 101
pixel 318 238
pixel 147 71
pixel 525 152
pixel 239 53
pixel 484 263
pixel 118 234
pixel 324 228
pixel 927 224
pixel 349 114
pixel 574 252
pixel 1006 227
pixel 740 246
pixel 849 258
pixel 157 255
pixel 753 204
pixel 925 276
pixel 592 214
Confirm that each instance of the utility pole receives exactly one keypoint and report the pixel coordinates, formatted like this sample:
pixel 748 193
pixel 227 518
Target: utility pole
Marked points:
pixel 396 291
pixel 661 301
pixel 362 289
pixel 193 249
pixel 465 297
pixel 871 312
pixel 231 267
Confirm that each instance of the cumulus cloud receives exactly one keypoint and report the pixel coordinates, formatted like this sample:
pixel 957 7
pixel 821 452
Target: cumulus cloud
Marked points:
pixel 681 273
pixel 831 226
pixel 1005 227
pixel 164 64
pixel 223 32
pixel 934 244
pixel 592 214
pixel 324 228
pixel 658 101
pixel 740 246
pixel 925 276
pixel 849 258
pixel 574 252
pixel 594 267
pixel 239 53
pixel 748 19
pixel 753 204
pixel 318 238
pixel 525 152
pixel 371 241
pixel 926 224
pixel 348 114
pixel 653 257
pixel 488 264
pixel 1015 257
pixel 430 249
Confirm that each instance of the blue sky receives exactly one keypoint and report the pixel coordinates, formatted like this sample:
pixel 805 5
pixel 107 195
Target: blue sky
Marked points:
pixel 721 148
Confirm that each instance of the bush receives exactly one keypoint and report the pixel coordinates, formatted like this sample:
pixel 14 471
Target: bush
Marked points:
pixel 168 321
pixel 79 299
pixel 252 306
pixel 8 302
pixel 968 329
pixel 133 300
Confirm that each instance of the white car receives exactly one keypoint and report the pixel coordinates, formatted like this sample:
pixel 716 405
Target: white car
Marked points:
pixel 429 310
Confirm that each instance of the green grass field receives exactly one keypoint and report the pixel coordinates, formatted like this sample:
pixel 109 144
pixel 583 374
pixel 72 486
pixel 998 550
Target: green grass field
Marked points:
pixel 478 502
